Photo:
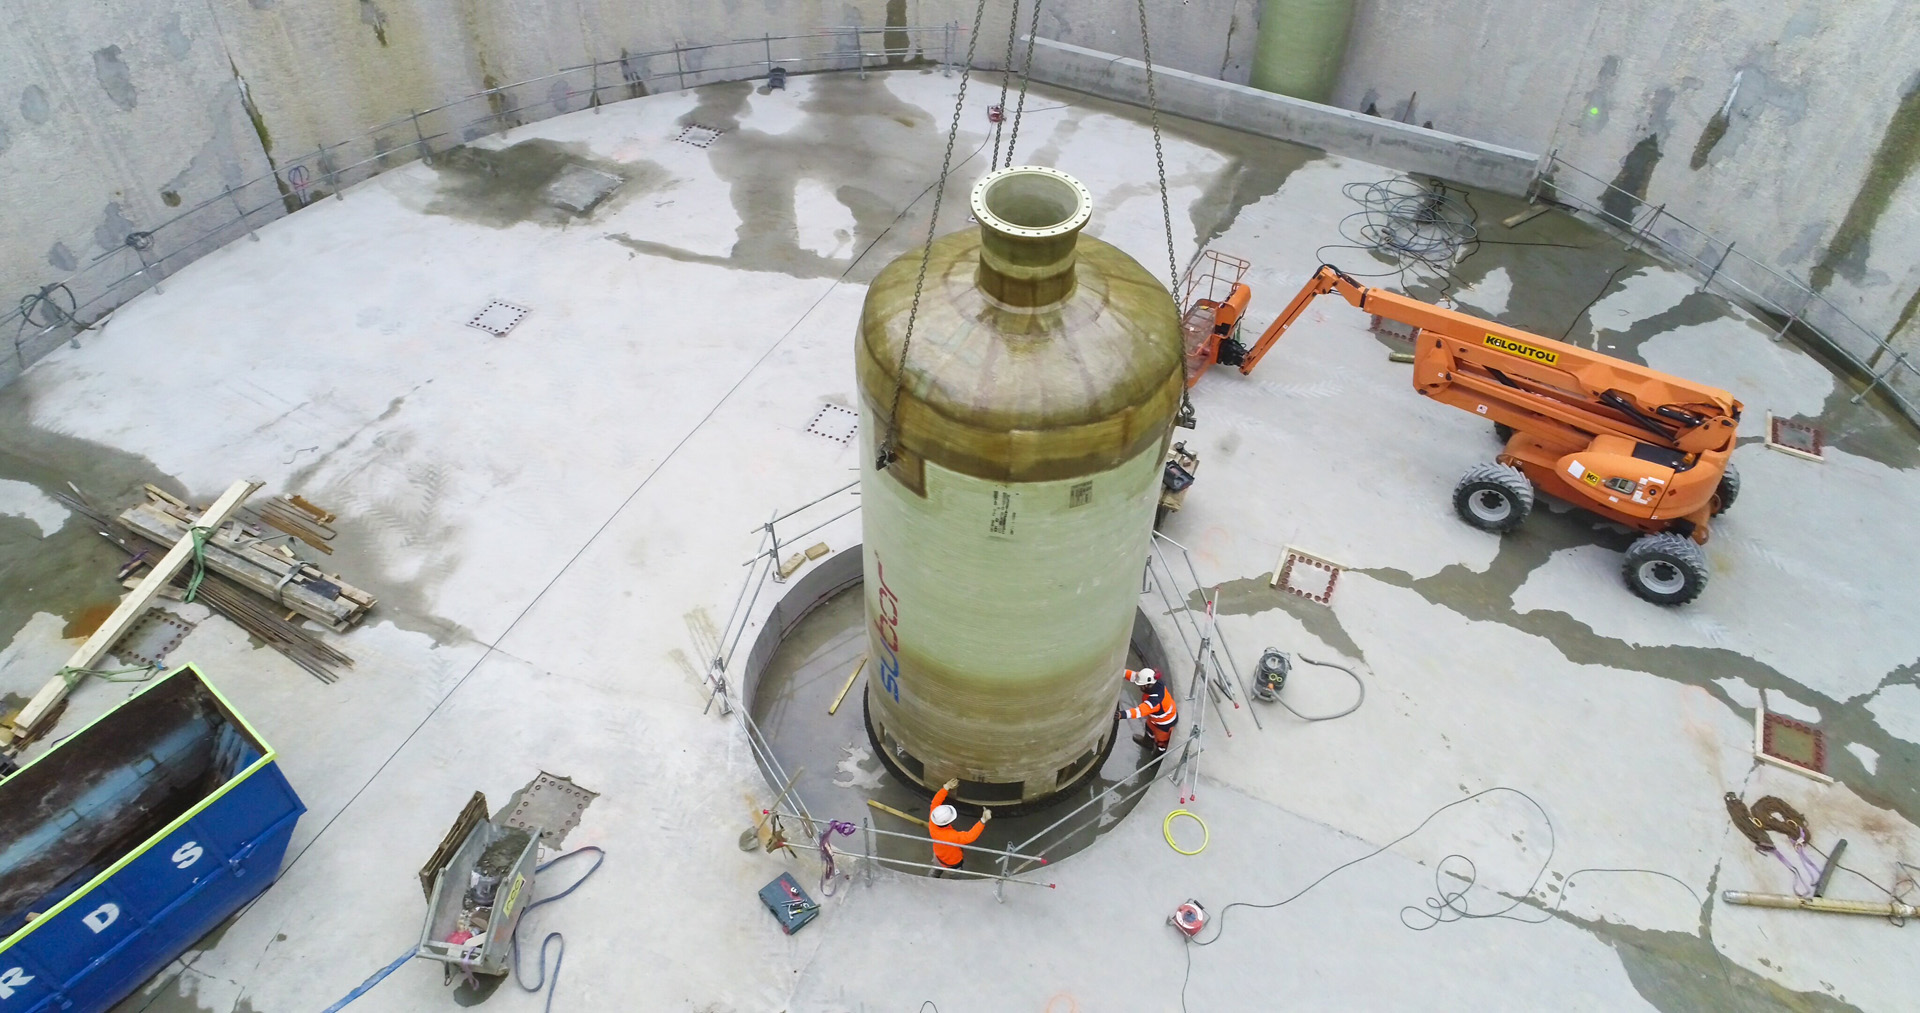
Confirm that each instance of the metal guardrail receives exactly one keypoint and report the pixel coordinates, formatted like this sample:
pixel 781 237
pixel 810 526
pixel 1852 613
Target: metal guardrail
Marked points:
pixel 1794 305
pixel 1209 680
pixel 150 253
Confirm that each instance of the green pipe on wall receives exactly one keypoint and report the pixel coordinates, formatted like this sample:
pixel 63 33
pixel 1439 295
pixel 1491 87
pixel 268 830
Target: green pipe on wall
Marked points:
pixel 1300 47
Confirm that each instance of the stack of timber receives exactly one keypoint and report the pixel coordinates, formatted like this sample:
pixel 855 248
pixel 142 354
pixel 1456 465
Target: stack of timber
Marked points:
pixel 298 518
pixel 271 571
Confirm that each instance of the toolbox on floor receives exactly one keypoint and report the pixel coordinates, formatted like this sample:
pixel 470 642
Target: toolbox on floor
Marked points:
pixel 789 904
pixel 126 842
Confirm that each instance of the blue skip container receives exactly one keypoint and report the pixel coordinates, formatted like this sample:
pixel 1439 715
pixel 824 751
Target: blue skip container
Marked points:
pixel 129 840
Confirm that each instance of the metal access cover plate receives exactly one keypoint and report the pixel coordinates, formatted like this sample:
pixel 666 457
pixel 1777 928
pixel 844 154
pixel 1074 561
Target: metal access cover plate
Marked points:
pixel 699 136
pixel 151 637
pixel 498 318
pixel 552 805
pixel 1306 575
pixel 1796 438
pixel 578 188
pixel 835 423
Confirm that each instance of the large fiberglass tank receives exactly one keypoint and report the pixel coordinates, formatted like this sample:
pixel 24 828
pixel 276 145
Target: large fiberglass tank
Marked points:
pixel 1005 540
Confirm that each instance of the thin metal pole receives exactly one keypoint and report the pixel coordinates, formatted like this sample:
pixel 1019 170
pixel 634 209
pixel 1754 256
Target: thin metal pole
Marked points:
pixel 244 220
pixel 768 40
pixel 1899 359
pixel 679 67
pixel 426 153
pixel 1724 254
pixel 866 822
pixel 1794 318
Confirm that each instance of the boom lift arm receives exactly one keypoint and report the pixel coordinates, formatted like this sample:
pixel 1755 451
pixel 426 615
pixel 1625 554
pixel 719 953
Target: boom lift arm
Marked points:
pixel 1630 443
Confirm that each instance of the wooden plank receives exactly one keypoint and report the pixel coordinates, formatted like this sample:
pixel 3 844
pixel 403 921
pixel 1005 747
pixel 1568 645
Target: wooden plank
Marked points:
pixel 259 570
pixel 891 811
pixel 843 690
pixel 132 606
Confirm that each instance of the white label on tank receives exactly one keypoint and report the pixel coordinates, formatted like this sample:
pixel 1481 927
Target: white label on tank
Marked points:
pixel 101 917
pixel 1576 469
pixel 186 854
pixel 1080 494
pixel 1000 521
pixel 15 977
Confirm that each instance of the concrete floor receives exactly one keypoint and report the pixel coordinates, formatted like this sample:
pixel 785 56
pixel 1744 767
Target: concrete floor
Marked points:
pixel 555 519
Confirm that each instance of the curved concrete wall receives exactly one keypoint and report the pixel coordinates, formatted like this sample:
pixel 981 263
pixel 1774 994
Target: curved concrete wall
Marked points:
pixel 116 117
pixel 1791 129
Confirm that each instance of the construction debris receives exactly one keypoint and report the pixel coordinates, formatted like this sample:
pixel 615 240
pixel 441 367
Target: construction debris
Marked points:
pixel 245 557
pixel 261 620
pixel 35 713
pixel 1893 909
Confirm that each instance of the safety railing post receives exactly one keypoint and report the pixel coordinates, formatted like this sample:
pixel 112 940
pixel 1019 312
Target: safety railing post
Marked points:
pixel 1794 317
pixel 946 58
pixel 873 854
pixel 325 161
pixel 420 140
pixel 593 96
pixel 767 39
pixel 679 67
pixel 1717 265
pixel 1000 884
pixel 1899 360
pixel 860 50
pixel 245 219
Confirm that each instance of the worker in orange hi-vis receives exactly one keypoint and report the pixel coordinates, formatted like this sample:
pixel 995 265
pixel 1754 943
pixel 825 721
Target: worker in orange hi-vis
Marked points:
pixel 946 838
pixel 1156 706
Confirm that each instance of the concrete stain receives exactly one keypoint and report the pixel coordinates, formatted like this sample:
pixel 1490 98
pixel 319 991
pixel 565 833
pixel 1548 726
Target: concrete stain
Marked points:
pixel 1253 595
pixel 1715 129
pixel 178 44
pixel 896 39
pixel 503 187
pixel 61 257
pixel 1892 163
pixel 34 107
pixel 114 78
pixel 372 16
pixel 68 573
pixel 170 198
pixel 1636 172
pixel 1682 972
pixel 1488 597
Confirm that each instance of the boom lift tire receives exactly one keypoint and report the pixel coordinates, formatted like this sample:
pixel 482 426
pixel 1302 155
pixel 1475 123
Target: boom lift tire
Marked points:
pixel 1666 568
pixel 1728 490
pixel 1493 497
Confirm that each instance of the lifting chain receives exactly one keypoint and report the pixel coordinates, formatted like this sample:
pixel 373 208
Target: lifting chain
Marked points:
pixel 1006 77
pixel 1185 418
pixel 885 457
pixel 1026 78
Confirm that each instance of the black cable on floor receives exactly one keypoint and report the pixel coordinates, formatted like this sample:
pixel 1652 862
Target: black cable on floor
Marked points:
pixel 1448 903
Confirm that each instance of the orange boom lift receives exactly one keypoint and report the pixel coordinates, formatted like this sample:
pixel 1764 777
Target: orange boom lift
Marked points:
pixel 1631 444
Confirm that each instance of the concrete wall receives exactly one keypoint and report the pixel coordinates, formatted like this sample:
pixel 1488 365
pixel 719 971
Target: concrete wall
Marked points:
pixel 122 117
pixel 1196 96
pixel 1814 168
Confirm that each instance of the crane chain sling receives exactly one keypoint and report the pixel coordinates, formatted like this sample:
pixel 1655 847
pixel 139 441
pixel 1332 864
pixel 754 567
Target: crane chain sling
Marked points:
pixel 1772 815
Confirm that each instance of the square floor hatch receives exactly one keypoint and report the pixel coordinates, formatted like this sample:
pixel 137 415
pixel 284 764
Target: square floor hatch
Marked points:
pixel 1796 742
pixel 498 318
pixel 1306 575
pixel 151 638
pixel 835 423
pixel 578 188
pixel 552 805
pixel 699 136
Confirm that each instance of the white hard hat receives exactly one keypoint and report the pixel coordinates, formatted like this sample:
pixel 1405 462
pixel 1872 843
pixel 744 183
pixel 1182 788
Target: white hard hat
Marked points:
pixel 1145 677
pixel 943 815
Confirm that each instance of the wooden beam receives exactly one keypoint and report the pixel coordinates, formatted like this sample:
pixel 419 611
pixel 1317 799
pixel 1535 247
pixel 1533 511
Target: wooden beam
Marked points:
pixel 130 608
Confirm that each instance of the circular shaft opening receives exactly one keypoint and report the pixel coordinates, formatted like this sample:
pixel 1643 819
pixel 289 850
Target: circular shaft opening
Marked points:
pixel 1032 201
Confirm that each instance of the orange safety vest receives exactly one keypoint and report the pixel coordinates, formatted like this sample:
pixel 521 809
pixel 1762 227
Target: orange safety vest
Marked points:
pixel 944 838
pixel 1162 713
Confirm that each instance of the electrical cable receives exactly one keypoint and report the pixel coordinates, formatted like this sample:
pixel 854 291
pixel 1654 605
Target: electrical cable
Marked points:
pixel 1357 683
pixel 1448 903
pixel 1591 302
pixel 552 937
pixel 552 984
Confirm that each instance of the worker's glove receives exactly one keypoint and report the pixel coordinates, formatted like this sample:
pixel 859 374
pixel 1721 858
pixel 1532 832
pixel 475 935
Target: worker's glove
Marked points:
pixel 985 815
pixel 1119 713
pixel 952 783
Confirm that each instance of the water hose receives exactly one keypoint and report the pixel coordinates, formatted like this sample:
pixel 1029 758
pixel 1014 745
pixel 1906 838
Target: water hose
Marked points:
pixel 1166 830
